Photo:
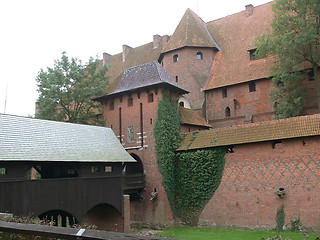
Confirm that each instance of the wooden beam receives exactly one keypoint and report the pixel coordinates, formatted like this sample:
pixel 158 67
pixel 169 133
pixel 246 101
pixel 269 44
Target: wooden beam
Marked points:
pixel 69 233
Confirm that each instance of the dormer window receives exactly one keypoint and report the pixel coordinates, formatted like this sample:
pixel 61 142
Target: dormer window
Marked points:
pixel 176 58
pixel 199 56
pixel 252 54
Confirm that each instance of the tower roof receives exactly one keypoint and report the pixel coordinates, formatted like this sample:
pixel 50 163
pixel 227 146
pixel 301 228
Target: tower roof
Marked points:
pixel 191 32
pixel 145 75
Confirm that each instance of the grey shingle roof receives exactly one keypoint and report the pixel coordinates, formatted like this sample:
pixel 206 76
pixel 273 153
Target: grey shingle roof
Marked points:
pixel 28 139
pixel 145 75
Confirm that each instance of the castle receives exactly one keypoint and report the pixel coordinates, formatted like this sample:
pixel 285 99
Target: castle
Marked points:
pixel 212 69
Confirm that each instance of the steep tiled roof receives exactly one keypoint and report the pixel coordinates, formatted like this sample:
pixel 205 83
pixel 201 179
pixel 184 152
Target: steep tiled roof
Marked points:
pixel 191 117
pixel 137 56
pixel 236 34
pixel 28 139
pixel 149 74
pixel 191 32
pixel 256 132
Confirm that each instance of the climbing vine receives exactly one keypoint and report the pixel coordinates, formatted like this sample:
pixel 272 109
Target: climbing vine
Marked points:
pixel 190 178
pixel 198 176
pixel 166 133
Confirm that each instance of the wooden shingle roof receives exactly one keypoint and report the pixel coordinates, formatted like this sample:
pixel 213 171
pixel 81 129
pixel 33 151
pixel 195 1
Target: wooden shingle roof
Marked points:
pixel 29 139
pixel 256 132
pixel 192 117
pixel 191 32
pixel 145 75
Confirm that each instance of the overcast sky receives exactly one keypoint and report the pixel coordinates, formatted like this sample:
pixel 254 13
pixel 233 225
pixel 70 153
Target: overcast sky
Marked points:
pixel 35 32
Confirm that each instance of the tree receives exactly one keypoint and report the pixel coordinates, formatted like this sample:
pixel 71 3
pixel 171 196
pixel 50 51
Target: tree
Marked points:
pixel 66 91
pixel 294 43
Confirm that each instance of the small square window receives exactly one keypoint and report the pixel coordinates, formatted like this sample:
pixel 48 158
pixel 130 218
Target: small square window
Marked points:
pixel 108 168
pixel 224 92
pixel 3 171
pixel 130 102
pixel 150 97
pixel 252 86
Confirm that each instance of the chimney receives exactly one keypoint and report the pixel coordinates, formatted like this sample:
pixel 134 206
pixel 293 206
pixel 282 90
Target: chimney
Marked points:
pixel 165 39
pixel 125 52
pixel 106 58
pixel 249 10
pixel 156 41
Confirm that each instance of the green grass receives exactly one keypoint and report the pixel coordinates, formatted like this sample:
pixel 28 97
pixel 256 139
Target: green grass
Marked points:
pixel 228 234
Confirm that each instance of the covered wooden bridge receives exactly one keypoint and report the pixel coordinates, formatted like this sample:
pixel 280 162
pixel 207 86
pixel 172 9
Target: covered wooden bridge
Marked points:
pixel 63 172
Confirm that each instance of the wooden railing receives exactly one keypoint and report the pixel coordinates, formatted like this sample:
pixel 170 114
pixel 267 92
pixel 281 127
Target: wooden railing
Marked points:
pixel 69 233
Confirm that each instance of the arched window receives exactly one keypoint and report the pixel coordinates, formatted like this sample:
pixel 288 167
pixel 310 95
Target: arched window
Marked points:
pixel 199 56
pixel 181 104
pixel 176 58
pixel 227 112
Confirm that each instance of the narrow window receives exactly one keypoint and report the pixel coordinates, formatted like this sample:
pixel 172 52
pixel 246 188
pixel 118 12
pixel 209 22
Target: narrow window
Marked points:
pixel 176 58
pixel 120 125
pixel 252 86
pixel 311 75
pixel 130 102
pixel 199 55
pixel 150 97
pixel 252 54
pixel 224 92
pixel 150 121
pixel 177 79
pixel 111 105
pixel 227 112
pixel 130 134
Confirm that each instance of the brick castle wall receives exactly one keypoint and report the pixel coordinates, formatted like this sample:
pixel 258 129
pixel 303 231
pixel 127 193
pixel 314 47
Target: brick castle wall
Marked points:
pixel 246 196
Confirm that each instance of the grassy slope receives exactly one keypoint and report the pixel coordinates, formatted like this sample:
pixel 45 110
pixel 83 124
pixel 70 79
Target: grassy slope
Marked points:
pixel 227 234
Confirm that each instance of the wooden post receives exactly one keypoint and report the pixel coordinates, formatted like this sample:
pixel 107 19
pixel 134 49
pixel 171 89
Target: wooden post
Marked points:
pixel 126 214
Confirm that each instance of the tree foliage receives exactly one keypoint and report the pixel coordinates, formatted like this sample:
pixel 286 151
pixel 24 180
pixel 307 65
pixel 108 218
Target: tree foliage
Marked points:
pixel 66 90
pixel 293 42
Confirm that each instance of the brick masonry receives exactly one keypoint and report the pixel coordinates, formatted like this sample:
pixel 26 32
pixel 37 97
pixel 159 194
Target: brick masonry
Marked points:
pixel 246 196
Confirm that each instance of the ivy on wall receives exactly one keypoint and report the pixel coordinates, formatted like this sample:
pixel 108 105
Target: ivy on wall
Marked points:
pixel 198 175
pixel 190 178
pixel 166 133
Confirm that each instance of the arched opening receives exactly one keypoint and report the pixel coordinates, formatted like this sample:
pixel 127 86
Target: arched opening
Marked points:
pixel 134 181
pixel 199 56
pixel 59 218
pixel 176 58
pixel 104 217
pixel 134 167
pixel 227 112
pixel 183 102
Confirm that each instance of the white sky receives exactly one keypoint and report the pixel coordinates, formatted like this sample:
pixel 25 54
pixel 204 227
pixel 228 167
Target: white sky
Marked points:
pixel 33 33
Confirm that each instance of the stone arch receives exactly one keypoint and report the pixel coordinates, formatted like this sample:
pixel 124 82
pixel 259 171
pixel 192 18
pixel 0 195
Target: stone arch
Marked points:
pixel 134 167
pixel 105 217
pixel 59 217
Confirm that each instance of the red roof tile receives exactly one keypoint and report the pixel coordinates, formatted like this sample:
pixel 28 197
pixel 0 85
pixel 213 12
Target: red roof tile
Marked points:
pixel 256 132
pixel 236 34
